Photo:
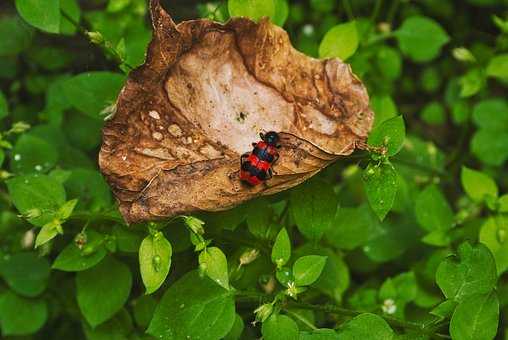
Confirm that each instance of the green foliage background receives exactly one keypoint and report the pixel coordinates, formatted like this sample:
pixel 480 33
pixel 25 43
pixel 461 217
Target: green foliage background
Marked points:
pixel 409 241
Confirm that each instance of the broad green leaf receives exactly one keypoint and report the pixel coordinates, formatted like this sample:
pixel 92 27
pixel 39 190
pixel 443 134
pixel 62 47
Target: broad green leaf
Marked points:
pixel 44 15
pixel 90 188
pixel 279 327
pixel 433 211
pixel 48 232
pixel 36 196
pixel 490 146
pixel 259 214
pixel 281 251
pixel 307 269
pixel 32 154
pixel 340 41
pixel 21 316
pixel 25 273
pixel 445 309
pixel 390 134
pixel 154 261
pixel 389 62
pixel 421 38
pixel 313 206
pixel 214 264
pixel 366 326
pixel 353 227
pixel 380 182
pixel 4 109
pixel 71 8
pixel 92 92
pixel 143 310
pixel 494 234
pixel 117 328
pixel 491 114
pixel 281 12
pixel 74 259
pixel 472 271
pixel 15 35
pixel 103 290
pixel 83 131
pixel 193 307
pixel 477 184
pixel 236 331
pixel 253 9
pixel 498 67
pixel 476 318
pixel 384 109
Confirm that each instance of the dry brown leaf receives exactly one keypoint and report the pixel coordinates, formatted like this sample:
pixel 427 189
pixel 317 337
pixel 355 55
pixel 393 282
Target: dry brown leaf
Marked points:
pixel 205 92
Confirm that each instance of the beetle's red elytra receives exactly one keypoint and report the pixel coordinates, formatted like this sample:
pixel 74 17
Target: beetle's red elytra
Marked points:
pixel 256 166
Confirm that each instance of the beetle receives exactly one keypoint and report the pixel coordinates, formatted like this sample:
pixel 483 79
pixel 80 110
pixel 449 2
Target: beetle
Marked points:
pixel 256 166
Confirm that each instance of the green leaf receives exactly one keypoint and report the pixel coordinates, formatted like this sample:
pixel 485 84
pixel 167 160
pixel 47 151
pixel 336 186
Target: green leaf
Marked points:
pixel 353 227
pixel 25 273
pixel 313 205
pixel 477 184
pixel 21 316
pixel 253 9
pixel 473 271
pixel 421 38
pixel 384 109
pixel 103 290
pixel 193 307
pixel 4 109
pixel 434 113
pixel 48 232
pixel 42 15
pixel 281 251
pixel 390 134
pixel 307 269
pixel 320 334
pixel 503 203
pixel 279 327
pixel 491 114
pixel 32 154
pixel 92 92
pixel 397 292
pixel 281 12
pixel 15 35
pixel 71 8
pixel 236 331
pixel 74 259
pixel 433 211
pixel 37 196
pixel 472 82
pixel 366 326
pixel 213 263
pixel 143 310
pixel 90 188
pixel 498 67
pixel 118 328
pixel 340 41
pixel 154 261
pixel 476 318
pixel 380 182
pixel 389 63
pixel 323 6
pixel 494 234
pixel 490 146
pixel 444 310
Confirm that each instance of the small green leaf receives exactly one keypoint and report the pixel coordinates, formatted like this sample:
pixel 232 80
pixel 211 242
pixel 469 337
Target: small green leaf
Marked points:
pixel 74 259
pixel 44 15
pixel 143 310
pixel 476 318
pixel 48 232
pixel 281 12
pixel 390 134
pixel 213 263
pixel 66 209
pixel 366 326
pixel 340 41
pixel 498 67
pixel 384 109
pixel 253 9
pixel 491 114
pixel 279 327
pixel 434 113
pixel 494 234
pixel 32 154
pixel 490 146
pixel 25 273
pixel 194 307
pixel 380 182
pixel 477 184
pixel 103 290
pixel 421 38
pixel 21 316
pixel 281 251
pixel 444 310
pixel 16 35
pixel 389 62
pixel 313 205
pixel 236 331
pixel 37 192
pixel 473 271
pixel 307 269
pixel 503 203
pixel 154 260
pixel 433 211
pixel 472 82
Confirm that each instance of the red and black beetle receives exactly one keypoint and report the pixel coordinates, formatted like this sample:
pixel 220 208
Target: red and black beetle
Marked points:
pixel 256 166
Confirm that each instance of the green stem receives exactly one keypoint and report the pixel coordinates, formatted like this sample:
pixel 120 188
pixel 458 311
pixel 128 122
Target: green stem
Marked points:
pixel 375 11
pixel 91 216
pixel 348 9
pixel 301 318
pixel 424 168
pixel 392 11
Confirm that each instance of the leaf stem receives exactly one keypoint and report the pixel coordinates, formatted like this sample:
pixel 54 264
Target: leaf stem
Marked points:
pixel 301 318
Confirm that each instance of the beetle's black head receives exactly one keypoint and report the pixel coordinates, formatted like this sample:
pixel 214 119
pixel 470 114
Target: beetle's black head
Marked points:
pixel 271 138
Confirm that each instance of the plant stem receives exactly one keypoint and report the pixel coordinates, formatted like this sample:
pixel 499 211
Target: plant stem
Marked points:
pixel 424 168
pixel 392 11
pixel 301 318
pixel 349 9
pixel 375 12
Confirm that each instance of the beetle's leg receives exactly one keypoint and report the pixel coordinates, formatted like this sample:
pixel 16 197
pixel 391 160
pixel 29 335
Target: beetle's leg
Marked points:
pixel 270 173
pixel 254 144
pixel 262 135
